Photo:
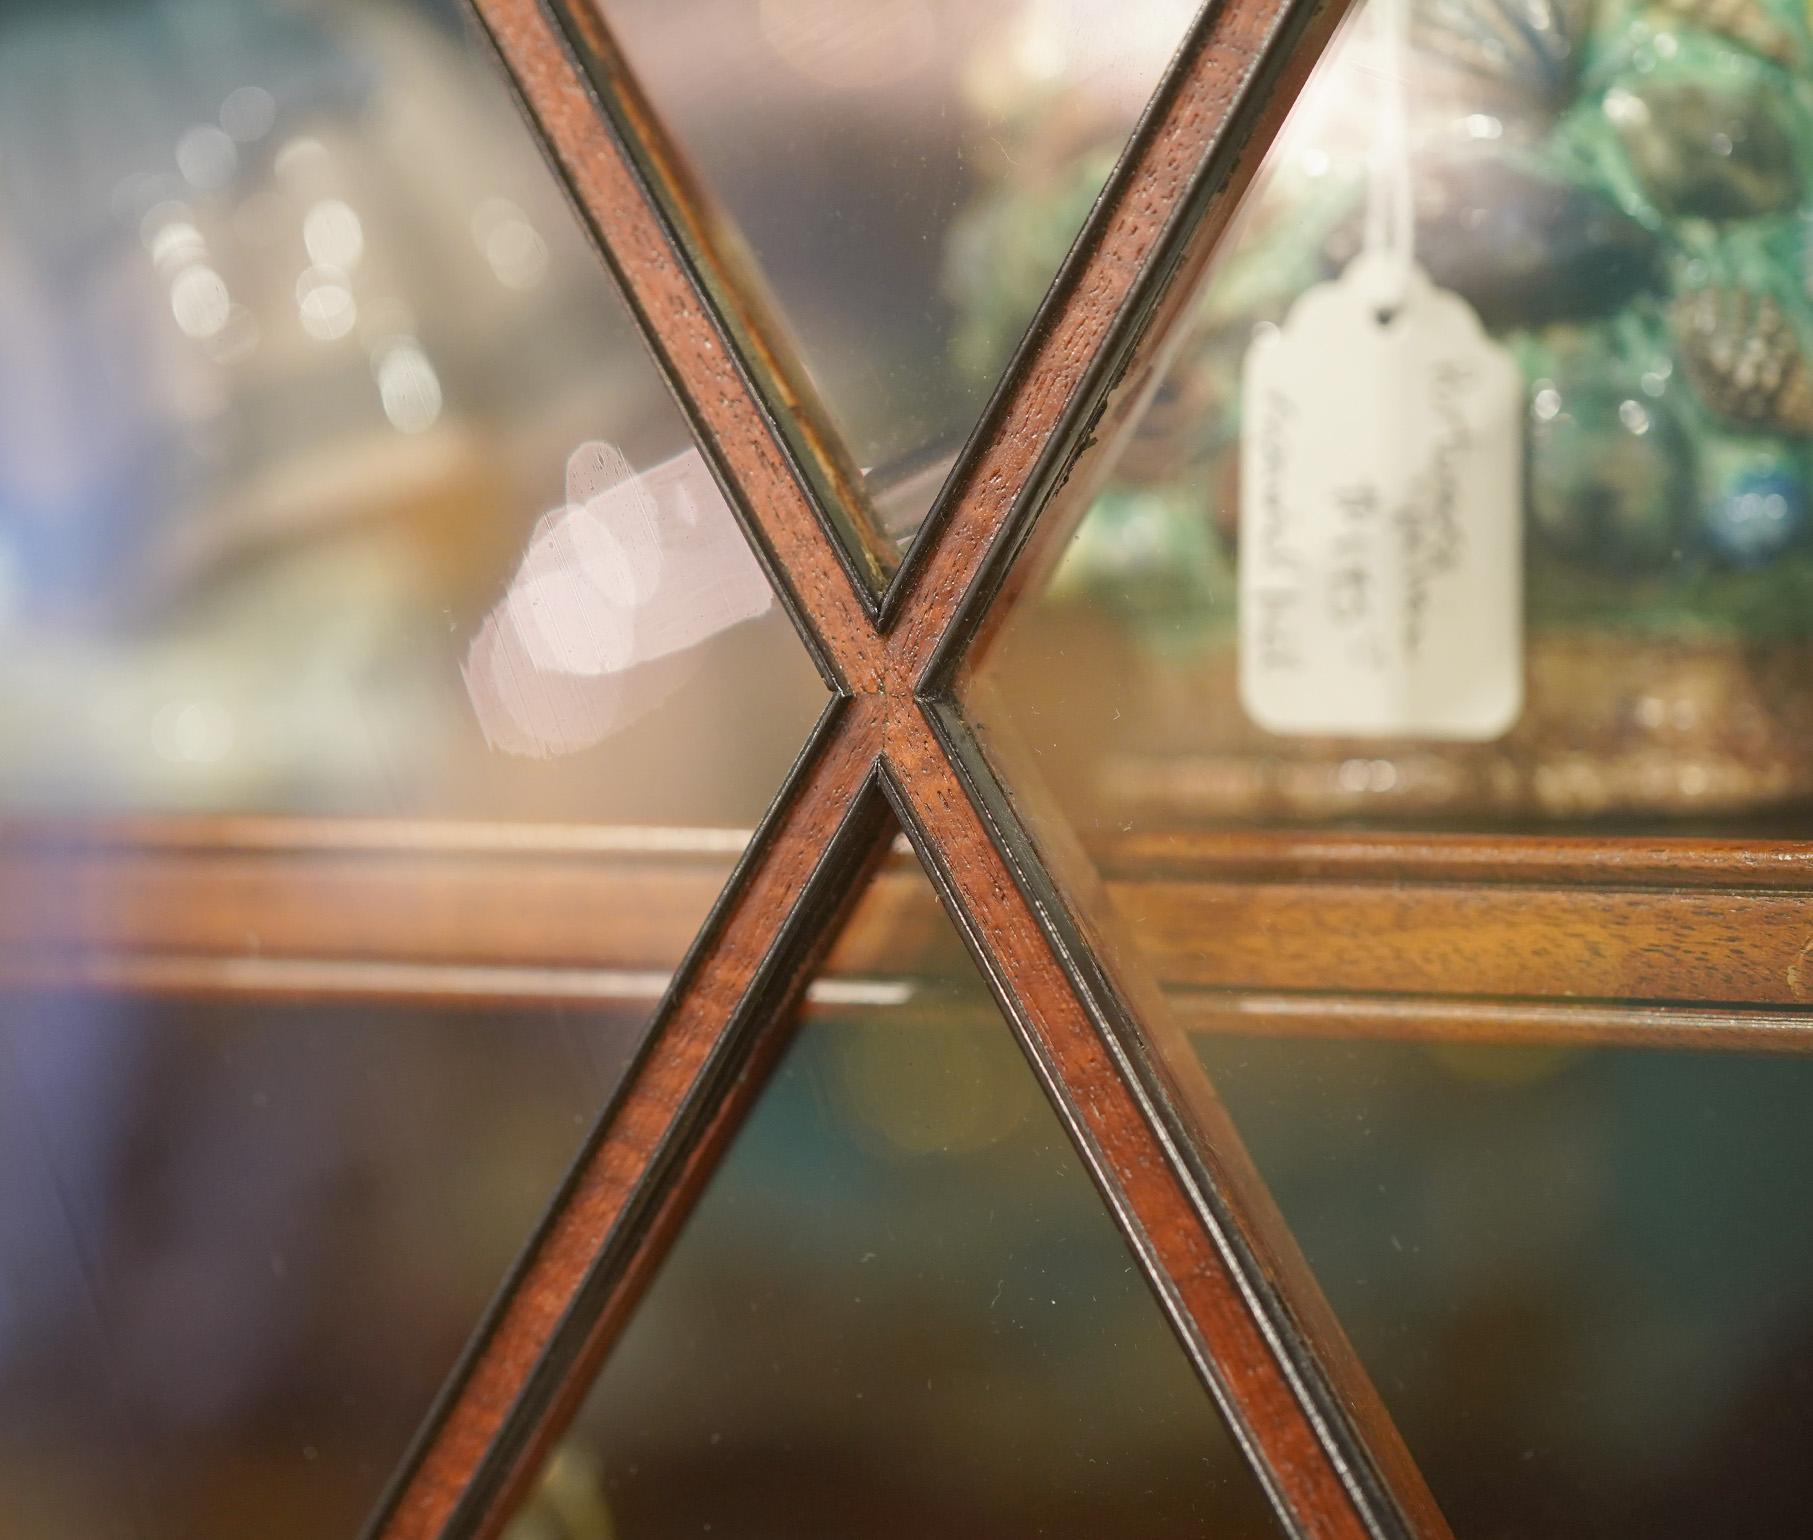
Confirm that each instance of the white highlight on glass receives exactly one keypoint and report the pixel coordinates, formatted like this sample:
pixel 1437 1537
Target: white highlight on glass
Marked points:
pixel 850 48
pixel 613 593
pixel 333 235
pixel 408 386
pixel 299 158
pixel 248 113
pixel 513 247
pixel 325 304
pixel 200 302
pixel 169 234
pixel 194 732
pixel 207 157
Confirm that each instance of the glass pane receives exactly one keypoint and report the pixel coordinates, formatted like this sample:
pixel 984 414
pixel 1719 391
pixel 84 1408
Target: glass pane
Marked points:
pixel 908 175
pixel 1582 1279
pixel 238 1257
pixel 900 1307
pixel 333 480
pixel 333 476
pixel 1613 190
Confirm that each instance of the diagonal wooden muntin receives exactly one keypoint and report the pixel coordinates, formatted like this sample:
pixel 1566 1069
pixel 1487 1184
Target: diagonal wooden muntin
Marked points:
pixel 892 751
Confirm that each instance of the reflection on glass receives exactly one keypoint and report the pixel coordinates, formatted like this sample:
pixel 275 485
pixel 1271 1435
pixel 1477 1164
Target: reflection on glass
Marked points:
pixel 333 479
pixel 237 1258
pixel 900 1309
pixel 908 175
pixel 1582 1279
pixel 332 473
pixel 1619 193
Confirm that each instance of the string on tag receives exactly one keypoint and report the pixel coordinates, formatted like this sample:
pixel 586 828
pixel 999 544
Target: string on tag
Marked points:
pixel 1390 227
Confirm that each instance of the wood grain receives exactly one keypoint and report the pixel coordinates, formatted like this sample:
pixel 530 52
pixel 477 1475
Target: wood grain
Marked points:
pixel 1158 218
pixel 1256 931
pixel 1570 1024
pixel 693 344
pixel 294 909
pixel 1212 1257
pixel 1241 1301
pixel 1536 859
pixel 1207 1294
pixel 643 1123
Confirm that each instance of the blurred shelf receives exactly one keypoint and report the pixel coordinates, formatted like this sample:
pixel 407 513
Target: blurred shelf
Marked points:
pixel 288 908
pixel 1694 943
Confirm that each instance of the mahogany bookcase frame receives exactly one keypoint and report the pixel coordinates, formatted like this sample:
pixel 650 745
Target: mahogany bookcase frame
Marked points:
pixel 1566 940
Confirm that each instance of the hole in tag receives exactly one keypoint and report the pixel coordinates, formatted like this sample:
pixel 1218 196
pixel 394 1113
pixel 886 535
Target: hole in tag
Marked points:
pixel 1385 314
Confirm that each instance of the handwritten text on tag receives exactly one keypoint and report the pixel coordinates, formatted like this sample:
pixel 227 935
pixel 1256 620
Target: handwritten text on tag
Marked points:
pixel 1381 563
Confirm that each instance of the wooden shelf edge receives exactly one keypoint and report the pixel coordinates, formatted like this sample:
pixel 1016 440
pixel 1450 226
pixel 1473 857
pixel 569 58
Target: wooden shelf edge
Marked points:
pixel 1313 934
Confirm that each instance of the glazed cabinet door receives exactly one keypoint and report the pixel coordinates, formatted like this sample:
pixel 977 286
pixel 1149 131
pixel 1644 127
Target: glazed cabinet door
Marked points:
pixel 872 766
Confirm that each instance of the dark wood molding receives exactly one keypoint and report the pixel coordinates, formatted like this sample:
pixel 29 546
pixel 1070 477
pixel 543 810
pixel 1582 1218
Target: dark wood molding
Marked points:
pixel 1221 1292
pixel 1127 287
pixel 1104 325
pixel 1206 130
pixel 1531 860
pixel 629 189
pixel 1523 1023
pixel 731 999
pixel 1176 1179
pixel 1687 943
pixel 1533 939
pixel 1627 942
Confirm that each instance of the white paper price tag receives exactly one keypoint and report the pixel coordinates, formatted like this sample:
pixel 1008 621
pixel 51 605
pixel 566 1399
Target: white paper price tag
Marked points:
pixel 1381 552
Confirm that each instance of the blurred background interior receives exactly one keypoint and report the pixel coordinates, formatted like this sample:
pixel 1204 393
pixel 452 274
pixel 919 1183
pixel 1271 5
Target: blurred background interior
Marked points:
pixel 335 483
